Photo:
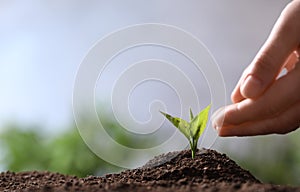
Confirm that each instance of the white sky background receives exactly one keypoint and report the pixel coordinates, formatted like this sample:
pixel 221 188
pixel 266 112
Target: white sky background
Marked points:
pixel 43 43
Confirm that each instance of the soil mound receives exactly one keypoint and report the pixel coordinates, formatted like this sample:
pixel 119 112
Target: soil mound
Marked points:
pixel 175 171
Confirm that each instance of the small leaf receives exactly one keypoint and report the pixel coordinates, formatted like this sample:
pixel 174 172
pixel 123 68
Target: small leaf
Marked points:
pixel 191 114
pixel 181 124
pixel 198 124
pixel 192 130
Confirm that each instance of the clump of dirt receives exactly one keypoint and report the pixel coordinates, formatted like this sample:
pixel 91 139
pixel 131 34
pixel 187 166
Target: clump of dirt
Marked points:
pixel 175 171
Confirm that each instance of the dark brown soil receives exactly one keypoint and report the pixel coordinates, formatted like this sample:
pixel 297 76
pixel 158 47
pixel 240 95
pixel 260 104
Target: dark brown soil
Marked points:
pixel 176 171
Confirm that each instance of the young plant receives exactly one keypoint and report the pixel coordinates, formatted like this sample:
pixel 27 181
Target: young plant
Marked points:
pixel 192 130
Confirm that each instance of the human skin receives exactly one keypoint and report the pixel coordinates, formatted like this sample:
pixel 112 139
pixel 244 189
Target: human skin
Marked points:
pixel 262 102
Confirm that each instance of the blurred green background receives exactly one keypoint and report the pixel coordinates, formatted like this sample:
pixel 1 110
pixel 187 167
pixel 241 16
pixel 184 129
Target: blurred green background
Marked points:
pixel 272 159
pixel 31 149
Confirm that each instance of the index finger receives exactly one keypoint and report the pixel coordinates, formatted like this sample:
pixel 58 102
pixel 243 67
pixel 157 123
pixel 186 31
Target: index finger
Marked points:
pixel 262 72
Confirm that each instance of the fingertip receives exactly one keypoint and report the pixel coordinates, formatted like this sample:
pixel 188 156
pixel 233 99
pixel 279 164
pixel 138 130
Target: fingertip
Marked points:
pixel 224 132
pixel 236 131
pixel 221 133
pixel 236 96
pixel 218 118
pixel 252 87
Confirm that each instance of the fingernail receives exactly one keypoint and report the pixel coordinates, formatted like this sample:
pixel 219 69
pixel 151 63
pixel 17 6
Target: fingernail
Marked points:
pixel 217 128
pixel 218 118
pixel 251 87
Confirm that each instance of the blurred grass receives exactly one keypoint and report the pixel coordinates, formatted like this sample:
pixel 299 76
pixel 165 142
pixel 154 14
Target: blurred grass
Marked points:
pixel 272 159
pixel 29 148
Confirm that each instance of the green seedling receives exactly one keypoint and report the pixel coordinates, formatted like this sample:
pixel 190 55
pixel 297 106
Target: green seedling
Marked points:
pixel 192 130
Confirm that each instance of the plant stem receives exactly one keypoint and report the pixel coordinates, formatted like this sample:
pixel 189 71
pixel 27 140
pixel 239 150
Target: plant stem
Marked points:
pixel 193 147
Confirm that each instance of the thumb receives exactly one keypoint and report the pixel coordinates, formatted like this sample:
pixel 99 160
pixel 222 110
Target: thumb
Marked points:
pixel 283 40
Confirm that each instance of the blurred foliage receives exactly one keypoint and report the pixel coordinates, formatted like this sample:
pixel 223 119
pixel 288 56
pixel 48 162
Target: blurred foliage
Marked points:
pixel 28 149
pixel 272 159
pixel 22 149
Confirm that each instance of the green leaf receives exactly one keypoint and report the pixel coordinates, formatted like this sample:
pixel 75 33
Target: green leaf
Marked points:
pixel 191 114
pixel 192 130
pixel 181 124
pixel 198 124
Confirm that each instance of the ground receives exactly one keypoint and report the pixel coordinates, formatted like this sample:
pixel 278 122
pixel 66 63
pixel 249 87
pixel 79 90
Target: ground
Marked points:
pixel 175 171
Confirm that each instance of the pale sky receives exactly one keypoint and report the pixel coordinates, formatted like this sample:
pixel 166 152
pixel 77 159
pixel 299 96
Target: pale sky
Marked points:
pixel 42 44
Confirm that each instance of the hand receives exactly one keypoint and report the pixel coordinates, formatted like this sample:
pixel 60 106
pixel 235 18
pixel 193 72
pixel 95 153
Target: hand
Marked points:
pixel 262 102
